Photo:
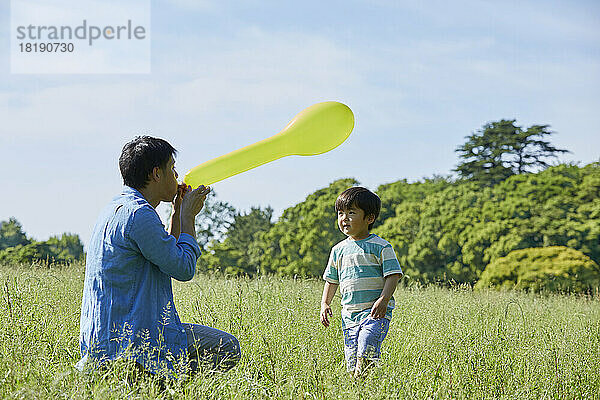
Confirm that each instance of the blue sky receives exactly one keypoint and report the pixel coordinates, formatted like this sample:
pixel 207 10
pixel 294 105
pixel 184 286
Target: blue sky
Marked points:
pixel 419 76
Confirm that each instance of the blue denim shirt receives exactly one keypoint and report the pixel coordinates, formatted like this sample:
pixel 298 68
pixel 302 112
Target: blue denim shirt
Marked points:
pixel 127 308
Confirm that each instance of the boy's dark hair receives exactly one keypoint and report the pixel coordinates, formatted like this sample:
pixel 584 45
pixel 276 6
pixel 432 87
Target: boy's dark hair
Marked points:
pixel 140 156
pixel 362 198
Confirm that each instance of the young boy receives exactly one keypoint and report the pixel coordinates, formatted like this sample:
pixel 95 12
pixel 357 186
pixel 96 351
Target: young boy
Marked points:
pixel 367 271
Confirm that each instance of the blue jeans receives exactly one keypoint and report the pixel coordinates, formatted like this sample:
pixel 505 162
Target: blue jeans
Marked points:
pixel 211 348
pixel 364 340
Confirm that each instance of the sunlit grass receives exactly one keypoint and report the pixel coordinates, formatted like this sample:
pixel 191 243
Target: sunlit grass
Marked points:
pixel 442 343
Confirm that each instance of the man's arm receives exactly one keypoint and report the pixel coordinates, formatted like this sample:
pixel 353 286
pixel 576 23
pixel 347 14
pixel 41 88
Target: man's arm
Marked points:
pixel 380 307
pixel 175 257
pixel 175 226
pixel 328 293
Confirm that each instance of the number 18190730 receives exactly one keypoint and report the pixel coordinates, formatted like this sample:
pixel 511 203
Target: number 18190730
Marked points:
pixel 47 47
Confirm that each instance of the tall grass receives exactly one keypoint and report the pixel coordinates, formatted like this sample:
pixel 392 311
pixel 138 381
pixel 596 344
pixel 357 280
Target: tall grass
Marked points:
pixel 442 343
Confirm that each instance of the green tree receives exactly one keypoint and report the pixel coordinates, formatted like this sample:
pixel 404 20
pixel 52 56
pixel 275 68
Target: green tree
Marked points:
pixel 554 268
pixel 25 254
pixel 11 234
pixel 456 232
pixel 66 248
pixel 235 254
pixel 213 222
pixel 502 149
pixel 16 248
pixel 300 241
pixel 529 151
pixel 395 193
pixel 63 250
pixel 426 233
pixel 245 226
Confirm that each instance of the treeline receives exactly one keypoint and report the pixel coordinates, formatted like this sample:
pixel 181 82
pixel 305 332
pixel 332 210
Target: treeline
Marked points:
pixel 505 198
pixel 17 248
pixel 441 229
pixel 454 233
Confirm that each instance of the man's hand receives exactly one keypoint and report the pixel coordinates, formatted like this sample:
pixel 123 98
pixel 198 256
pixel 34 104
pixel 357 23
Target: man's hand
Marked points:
pixel 191 204
pixel 182 189
pixel 379 308
pixel 193 201
pixel 325 314
pixel 175 227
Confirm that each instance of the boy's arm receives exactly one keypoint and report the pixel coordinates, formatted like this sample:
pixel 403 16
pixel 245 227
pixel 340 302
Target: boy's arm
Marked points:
pixel 328 293
pixel 380 307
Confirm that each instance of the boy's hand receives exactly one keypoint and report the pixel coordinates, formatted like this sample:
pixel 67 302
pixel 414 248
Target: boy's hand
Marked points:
pixel 325 314
pixel 379 308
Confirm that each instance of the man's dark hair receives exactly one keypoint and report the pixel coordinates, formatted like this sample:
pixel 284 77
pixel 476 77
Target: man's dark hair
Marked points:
pixel 140 156
pixel 362 198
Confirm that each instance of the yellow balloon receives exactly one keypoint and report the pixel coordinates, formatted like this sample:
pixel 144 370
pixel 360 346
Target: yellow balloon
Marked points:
pixel 315 130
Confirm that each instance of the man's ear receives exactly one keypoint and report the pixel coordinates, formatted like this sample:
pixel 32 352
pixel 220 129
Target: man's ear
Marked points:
pixel 155 174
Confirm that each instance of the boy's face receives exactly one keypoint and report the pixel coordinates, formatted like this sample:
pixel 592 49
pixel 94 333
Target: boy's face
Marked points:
pixel 353 222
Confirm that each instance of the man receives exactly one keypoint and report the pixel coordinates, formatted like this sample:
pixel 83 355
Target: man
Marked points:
pixel 127 308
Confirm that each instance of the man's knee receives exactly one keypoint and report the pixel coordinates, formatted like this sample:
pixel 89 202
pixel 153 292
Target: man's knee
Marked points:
pixel 231 346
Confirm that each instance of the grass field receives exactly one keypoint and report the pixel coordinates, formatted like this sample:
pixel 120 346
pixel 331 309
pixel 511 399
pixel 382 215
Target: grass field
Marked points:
pixel 443 343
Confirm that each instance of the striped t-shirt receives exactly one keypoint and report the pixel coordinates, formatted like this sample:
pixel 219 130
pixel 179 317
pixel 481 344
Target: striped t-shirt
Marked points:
pixel 360 268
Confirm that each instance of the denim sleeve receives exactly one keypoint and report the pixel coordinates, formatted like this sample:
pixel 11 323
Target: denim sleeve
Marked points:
pixel 176 258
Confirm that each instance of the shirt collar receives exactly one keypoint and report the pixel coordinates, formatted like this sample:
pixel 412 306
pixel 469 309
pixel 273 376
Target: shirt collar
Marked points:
pixel 132 191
